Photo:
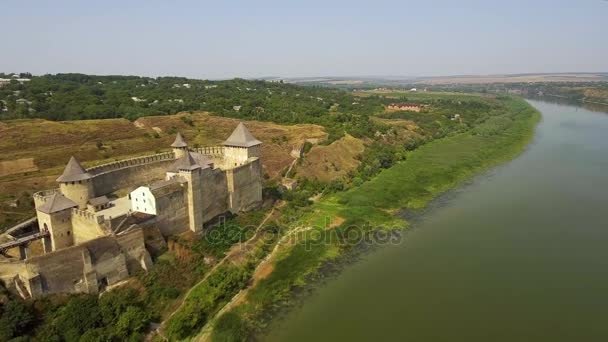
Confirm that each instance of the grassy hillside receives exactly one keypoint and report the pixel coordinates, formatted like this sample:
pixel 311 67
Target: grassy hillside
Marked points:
pixel 113 117
pixel 427 172
pixel 369 164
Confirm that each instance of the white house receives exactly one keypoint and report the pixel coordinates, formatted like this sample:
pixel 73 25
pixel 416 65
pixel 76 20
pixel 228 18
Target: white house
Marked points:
pixel 143 201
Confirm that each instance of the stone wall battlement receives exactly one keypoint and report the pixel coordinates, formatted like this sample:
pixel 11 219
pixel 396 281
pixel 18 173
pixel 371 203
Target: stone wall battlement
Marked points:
pixel 214 151
pixel 117 165
pixel 95 219
pixel 43 195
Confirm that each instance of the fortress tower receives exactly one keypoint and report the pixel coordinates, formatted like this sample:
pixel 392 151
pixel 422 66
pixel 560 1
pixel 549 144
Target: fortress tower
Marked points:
pixel 193 168
pixel 240 146
pixel 76 184
pixel 54 216
pixel 180 148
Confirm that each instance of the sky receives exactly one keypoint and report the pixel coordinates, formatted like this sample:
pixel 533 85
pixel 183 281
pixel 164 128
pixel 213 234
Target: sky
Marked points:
pixel 261 38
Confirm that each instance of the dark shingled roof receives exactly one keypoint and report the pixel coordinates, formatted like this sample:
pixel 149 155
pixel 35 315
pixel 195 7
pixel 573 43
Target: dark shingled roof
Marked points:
pixel 99 200
pixel 73 172
pixel 179 141
pixel 190 161
pixel 167 186
pixel 57 202
pixel 241 137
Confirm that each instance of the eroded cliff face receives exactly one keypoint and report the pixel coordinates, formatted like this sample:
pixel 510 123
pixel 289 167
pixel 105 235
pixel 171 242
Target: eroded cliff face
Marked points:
pixel 333 161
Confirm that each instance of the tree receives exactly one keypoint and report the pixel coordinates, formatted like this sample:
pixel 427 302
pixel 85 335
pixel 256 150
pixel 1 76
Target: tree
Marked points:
pixel 133 321
pixel 80 314
pixel 16 318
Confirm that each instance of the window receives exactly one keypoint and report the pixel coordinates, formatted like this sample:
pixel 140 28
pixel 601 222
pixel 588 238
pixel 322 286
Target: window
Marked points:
pixel 68 233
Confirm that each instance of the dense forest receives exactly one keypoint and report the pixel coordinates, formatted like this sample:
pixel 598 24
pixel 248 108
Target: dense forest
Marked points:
pixel 78 96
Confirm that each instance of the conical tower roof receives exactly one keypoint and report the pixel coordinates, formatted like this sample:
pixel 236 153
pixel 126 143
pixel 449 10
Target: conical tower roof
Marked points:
pixel 179 141
pixel 73 172
pixel 241 137
pixel 57 202
pixel 190 161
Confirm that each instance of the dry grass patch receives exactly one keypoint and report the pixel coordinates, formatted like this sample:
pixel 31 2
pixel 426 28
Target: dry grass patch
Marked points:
pixel 9 167
pixel 333 161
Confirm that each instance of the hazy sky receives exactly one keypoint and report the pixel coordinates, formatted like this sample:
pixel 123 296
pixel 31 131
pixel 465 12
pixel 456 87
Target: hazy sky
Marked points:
pixel 223 38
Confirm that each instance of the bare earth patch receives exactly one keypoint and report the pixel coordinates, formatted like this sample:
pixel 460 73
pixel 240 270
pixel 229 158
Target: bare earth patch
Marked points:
pixel 336 222
pixel 9 167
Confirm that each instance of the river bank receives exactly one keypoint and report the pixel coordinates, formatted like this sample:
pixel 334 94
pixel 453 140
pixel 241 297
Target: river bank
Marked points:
pixel 370 208
pixel 516 254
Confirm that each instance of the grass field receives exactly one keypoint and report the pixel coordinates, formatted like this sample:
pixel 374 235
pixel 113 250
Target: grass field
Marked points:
pixel 427 172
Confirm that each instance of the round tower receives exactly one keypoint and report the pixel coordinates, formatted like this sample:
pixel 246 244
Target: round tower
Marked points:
pixel 76 184
pixel 179 146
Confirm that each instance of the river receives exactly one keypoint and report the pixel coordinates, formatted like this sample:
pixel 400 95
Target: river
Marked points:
pixel 518 254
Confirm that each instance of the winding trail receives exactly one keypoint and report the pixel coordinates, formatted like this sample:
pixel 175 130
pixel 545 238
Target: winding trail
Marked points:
pixel 231 253
pixel 204 335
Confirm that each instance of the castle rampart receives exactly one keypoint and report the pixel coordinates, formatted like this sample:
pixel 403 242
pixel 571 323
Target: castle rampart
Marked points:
pixel 129 173
pixel 100 169
pixel 41 196
pixel 91 241
pixel 88 226
pixel 244 185
pixel 211 151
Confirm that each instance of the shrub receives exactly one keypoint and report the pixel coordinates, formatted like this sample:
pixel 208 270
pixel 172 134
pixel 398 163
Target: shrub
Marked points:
pixel 229 328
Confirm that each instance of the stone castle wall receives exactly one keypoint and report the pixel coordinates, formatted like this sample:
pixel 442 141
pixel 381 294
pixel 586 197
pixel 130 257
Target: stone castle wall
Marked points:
pixel 130 173
pixel 215 194
pixel 130 177
pixel 40 197
pixel 245 186
pixel 210 151
pixel 172 215
pixel 97 257
pixel 87 226
pixel 80 269
pixel 121 164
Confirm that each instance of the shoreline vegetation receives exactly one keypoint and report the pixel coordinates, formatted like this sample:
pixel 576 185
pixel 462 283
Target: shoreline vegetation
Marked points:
pixel 231 283
pixel 428 171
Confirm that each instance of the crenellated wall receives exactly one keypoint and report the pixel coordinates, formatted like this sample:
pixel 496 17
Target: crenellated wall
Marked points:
pixel 210 151
pixel 99 169
pixel 130 173
pixel 88 226
pixel 40 197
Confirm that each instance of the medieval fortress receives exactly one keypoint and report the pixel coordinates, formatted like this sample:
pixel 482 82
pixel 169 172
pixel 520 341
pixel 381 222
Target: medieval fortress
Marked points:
pixel 92 237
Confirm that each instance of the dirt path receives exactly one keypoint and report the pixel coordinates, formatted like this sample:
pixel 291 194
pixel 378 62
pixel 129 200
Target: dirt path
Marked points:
pixel 231 253
pixel 293 163
pixel 263 269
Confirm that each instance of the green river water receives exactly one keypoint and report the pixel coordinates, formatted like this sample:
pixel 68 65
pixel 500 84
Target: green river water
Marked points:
pixel 519 254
